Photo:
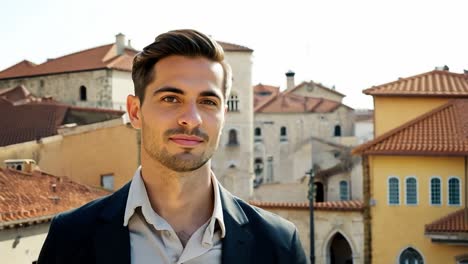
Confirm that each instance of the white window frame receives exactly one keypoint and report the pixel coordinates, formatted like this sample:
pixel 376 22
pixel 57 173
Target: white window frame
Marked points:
pixel 406 191
pixel 459 191
pixel 441 191
pixel 413 247
pixel 388 190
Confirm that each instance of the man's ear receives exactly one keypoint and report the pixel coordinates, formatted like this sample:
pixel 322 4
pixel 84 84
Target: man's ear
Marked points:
pixel 134 111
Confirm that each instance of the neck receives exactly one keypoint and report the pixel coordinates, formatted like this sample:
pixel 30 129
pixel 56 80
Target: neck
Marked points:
pixel 184 199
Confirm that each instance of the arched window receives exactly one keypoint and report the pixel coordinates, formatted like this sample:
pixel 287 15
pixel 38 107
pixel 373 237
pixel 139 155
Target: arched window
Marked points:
pixel 337 132
pixel 393 191
pixel 411 186
pixel 410 256
pixel 344 191
pixel 453 191
pixel 436 191
pixel 233 103
pixel 83 93
pixel 283 134
pixel 232 138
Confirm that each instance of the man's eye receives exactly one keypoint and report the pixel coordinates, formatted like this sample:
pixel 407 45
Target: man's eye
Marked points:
pixel 209 102
pixel 170 99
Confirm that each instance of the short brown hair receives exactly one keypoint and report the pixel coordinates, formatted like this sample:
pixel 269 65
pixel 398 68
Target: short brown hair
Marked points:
pixel 184 42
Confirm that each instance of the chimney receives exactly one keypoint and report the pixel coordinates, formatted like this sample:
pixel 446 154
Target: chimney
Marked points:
pixel 290 80
pixel 129 45
pixel 24 165
pixel 120 43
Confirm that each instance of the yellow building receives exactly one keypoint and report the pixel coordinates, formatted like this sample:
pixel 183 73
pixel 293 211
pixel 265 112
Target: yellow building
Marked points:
pixel 415 171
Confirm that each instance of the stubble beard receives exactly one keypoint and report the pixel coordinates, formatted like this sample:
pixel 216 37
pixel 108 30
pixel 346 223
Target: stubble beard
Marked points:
pixel 181 162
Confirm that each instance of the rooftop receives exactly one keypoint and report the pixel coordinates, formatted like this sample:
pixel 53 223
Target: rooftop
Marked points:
pixel 456 222
pixel 437 83
pixel 442 131
pixel 320 206
pixel 28 198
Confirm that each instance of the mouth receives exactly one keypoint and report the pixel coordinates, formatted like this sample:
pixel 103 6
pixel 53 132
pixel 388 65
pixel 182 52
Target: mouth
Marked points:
pixel 186 141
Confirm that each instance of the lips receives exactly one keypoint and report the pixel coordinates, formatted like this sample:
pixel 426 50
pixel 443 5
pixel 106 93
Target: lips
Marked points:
pixel 186 141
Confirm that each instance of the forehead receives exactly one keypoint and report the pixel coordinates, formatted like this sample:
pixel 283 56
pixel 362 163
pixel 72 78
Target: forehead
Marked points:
pixel 181 71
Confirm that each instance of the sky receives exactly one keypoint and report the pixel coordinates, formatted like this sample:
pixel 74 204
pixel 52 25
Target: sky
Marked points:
pixel 351 45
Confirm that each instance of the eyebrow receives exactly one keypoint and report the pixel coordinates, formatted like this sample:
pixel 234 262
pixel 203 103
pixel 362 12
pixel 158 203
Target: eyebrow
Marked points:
pixel 168 89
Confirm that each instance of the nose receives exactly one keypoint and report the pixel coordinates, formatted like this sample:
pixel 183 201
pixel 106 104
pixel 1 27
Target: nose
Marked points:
pixel 190 117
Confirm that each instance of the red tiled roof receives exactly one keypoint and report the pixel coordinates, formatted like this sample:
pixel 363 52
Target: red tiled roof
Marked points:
pixel 292 103
pixel 263 94
pixel 103 57
pixel 434 83
pixel 452 223
pixel 313 84
pixel 26 118
pixel 321 206
pixel 28 196
pixel 233 47
pixel 442 131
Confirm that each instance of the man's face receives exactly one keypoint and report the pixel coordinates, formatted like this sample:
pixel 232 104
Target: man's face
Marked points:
pixel 183 112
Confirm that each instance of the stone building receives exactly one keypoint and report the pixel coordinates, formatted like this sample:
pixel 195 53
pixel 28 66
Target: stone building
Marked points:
pixel 304 127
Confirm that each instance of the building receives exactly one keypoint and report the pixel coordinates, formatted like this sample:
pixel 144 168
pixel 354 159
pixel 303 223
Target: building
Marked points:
pixel 304 127
pixel 416 170
pixel 92 146
pixel 28 202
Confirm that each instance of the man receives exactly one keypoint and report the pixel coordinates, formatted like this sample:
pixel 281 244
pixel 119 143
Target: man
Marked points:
pixel 174 210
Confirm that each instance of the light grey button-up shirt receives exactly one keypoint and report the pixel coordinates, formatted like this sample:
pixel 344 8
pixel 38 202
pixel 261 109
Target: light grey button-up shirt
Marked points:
pixel 152 239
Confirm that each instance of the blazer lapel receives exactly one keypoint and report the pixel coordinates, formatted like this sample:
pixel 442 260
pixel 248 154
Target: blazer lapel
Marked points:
pixel 112 239
pixel 238 241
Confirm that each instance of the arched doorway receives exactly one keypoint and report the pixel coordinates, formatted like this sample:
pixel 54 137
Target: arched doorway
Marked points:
pixel 410 256
pixel 340 251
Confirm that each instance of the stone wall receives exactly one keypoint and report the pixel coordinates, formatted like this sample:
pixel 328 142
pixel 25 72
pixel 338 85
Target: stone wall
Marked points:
pixel 21 245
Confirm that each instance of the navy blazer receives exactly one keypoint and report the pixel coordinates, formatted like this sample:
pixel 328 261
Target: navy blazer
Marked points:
pixel 94 233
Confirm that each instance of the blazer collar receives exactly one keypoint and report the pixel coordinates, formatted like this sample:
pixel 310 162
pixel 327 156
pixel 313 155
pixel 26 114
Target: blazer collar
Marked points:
pixel 238 240
pixel 112 239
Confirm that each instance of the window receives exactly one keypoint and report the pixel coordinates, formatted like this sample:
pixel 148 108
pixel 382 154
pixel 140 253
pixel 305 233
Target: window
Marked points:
pixel 233 103
pixel 258 132
pixel 232 138
pixel 107 182
pixel 83 95
pixel 393 191
pixel 270 169
pixel 344 191
pixel 435 191
pixel 411 187
pixel 411 256
pixel 453 191
pixel 337 132
pixel 283 134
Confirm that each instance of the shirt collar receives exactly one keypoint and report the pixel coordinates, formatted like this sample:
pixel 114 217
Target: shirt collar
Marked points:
pixel 138 197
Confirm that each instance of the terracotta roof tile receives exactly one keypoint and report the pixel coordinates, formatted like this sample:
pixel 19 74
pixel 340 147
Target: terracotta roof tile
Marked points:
pixel 321 206
pixel 263 94
pixel 25 196
pixel 442 131
pixel 451 223
pixel 434 83
pixel 292 103
pixel 233 47
pixel 26 118
pixel 314 84
pixel 102 57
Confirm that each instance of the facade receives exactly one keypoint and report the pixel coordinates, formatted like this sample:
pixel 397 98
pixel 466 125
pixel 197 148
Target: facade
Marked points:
pixel 339 226
pixel 304 127
pixel 415 171
pixel 28 201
